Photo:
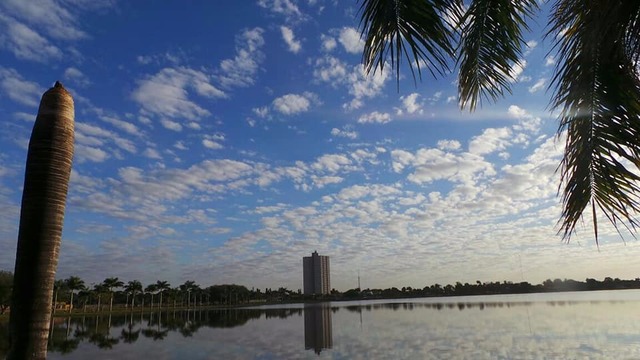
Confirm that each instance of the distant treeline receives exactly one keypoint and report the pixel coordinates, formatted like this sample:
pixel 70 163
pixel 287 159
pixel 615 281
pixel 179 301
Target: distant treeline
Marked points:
pixel 494 288
pixel 115 294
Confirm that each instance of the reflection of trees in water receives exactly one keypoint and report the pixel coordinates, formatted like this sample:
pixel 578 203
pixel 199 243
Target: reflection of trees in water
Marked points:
pixel 458 305
pixel 68 333
pixel 128 335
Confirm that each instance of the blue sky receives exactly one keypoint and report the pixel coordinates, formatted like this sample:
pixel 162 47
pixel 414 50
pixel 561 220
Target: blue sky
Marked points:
pixel 222 143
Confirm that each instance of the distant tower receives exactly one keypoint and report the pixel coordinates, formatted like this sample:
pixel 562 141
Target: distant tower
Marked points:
pixel 316 274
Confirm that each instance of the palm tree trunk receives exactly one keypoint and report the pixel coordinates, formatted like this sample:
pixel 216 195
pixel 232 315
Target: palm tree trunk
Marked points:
pixel 71 302
pixel 44 197
pixel 111 303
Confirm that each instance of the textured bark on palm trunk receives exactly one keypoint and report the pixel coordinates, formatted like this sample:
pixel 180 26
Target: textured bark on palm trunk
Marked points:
pixel 44 197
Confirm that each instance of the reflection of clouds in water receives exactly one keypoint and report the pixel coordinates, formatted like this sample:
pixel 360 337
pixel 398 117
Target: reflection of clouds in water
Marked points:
pixel 578 330
pixel 453 328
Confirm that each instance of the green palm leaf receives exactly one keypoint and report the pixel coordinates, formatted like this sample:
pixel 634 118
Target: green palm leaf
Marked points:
pixel 597 91
pixel 491 43
pixel 414 29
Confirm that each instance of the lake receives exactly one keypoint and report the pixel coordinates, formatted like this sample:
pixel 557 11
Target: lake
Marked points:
pixel 572 325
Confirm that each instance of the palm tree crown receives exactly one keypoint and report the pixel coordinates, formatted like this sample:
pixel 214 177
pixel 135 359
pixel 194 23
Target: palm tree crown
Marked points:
pixel 73 283
pixel 112 283
pixel 161 287
pixel 133 287
pixel 596 87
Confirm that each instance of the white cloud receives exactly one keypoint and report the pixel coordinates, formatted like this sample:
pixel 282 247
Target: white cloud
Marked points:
pixel 241 70
pixel 360 85
pixel 151 153
pixel 213 141
pixel 531 44
pixel 433 164
pixel 516 70
pixel 331 163
pixel 24 42
pixel 328 43
pixel 350 39
pixel 549 60
pixel 76 76
pixel 331 70
pixel 88 153
pixel 374 117
pixel 365 86
pixel 527 124
pixel 491 140
pixel 166 93
pixel 410 104
pixel 539 85
pixel 449 145
pixel 287 8
pixel 516 111
pixel 171 125
pixel 262 112
pixel 291 104
pixel 59 18
pixel 180 145
pixel 322 181
pixel 122 125
pixel 344 133
pixel 290 39
pixel 18 89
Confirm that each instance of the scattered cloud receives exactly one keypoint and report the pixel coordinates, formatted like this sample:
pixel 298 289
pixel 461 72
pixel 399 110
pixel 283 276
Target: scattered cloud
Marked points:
pixel 517 69
pixel 213 142
pixel 26 43
pixel 171 125
pixel 410 104
pixel 350 40
pixel 76 76
pixel 328 43
pixel 345 132
pixel 286 8
pixel 491 140
pixel 374 117
pixel 241 70
pixel 291 104
pixel 166 94
pixel 18 89
pixel 289 38
pixel 549 60
pixel 539 85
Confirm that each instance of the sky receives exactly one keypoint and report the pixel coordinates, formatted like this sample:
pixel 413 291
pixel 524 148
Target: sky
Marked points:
pixel 221 142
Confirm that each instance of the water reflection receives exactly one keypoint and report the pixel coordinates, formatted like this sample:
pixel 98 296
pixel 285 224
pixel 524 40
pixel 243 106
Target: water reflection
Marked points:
pixel 318 330
pixel 106 332
pixel 524 327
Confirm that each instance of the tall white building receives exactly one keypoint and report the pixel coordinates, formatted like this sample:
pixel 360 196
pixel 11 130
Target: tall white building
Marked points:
pixel 317 276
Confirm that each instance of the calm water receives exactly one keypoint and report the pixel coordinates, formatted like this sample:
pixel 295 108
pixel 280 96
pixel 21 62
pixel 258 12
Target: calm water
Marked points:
pixel 584 325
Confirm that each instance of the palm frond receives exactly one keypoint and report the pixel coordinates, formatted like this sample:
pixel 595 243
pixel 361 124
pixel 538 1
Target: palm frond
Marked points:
pixel 491 43
pixel 415 29
pixel 597 91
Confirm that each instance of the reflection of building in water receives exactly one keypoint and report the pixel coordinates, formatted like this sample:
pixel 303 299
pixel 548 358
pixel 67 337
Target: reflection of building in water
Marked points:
pixel 318 332
pixel 316 274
